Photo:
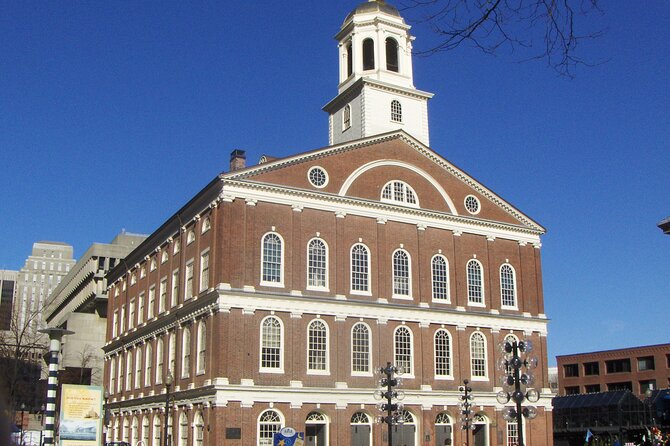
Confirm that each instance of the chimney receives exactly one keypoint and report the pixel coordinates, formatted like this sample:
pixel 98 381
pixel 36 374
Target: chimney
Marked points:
pixel 238 160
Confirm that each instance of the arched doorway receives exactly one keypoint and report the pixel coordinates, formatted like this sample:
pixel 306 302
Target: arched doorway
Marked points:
pixel 481 433
pixel 361 429
pixel 443 430
pixel 316 430
pixel 404 434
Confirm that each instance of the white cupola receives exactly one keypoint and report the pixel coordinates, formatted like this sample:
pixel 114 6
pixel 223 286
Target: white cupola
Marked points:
pixel 376 91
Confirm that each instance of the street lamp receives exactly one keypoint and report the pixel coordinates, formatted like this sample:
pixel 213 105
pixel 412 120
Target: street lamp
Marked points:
pixel 23 409
pixel 514 382
pixel 168 383
pixel 107 415
pixel 390 378
pixel 466 412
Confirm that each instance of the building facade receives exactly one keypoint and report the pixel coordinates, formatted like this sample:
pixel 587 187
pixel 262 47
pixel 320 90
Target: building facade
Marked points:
pixel 8 288
pixel 43 271
pixel 274 295
pixel 635 369
pixel 79 304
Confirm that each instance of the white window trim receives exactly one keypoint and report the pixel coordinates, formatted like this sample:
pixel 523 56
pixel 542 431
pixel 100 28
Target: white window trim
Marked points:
pixel 174 299
pixel 407 187
pixel 190 236
pixel 351 271
pixel 204 253
pixel 467 285
pixel 406 375
pixel 516 298
pixel 200 368
pixel 325 172
pixel 279 369
pixel 279 284
pixel 186 366
pixel 189 264
pixel 370 367
pixel 450 376
pixel 432 280
pixel 486 358
pixel 327 370
pixel 148 359
pixel 346 125
pixel 282 422
pixel 409 276
pixel 318 288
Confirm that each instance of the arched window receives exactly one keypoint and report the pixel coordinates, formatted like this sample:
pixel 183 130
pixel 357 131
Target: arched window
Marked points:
pixel 316 427
pixel 478 356
pixel 198 429
pixel 190 236
pixel 360 269
pixel 164 257
pixel 119 375
pixel 399 192
pixel 402 283
pixel 272 260
pixel 156 437
pixel 271 344
pixel 403 349
pixel 317 264
pixel 406 428
pixel 183 429
pixel 269 422
pixel 148 365
pixel 159 361
pixel 206 225
pixel 481 432
pixel 368 54
pixel 508 286
pixel 361 429
pixel 442 354
pixel 138 367
pixel 360 349
pixel 440 278
pixel 129 370
pixel 115 430
pixel 475 286
pixel 186 352
pixel 317 346
pixel 391 54
pixel 176 247
pixel 125 435
pixel 172 348
pixel 443 429
pixel 396 111
pixel 134 434
pixel 145 430
pixel 202 347
pixel 346 117
pixel 112 375
pixel 350 68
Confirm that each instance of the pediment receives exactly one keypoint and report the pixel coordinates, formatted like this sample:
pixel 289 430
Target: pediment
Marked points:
pixel 359 170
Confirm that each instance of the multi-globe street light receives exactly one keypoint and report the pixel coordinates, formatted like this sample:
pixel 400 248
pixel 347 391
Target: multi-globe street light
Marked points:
pixel 390 379
pixel 168 383
pixel 466 410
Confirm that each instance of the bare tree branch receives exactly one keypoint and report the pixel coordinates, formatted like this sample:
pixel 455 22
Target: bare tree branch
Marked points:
pixel 547 30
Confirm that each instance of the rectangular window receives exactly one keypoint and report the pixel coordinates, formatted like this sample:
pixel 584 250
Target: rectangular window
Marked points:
pixel 115 324
pixel 131 314
pixel 626 385
pixel 570 370
pixel 647 384
pixel 122 320
pixel 592 388
pixel 512 434
pixel 162 301
pixel 591 368
pixel 175 288
pixel 152 302
pixel 572 390
pixel 618 366
pixel 188 288
pixel 140 308
pixel 646 363
pixel 204 271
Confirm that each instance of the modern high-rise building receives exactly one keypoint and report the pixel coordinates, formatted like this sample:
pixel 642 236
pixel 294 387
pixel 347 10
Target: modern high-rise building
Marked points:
pixel 7 290
pixel 43 271
pixel 79 303
pixel 273 296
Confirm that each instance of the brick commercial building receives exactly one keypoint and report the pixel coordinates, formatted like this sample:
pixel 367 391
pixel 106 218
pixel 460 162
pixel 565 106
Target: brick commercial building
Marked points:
pixel 636 369
pixel 275 293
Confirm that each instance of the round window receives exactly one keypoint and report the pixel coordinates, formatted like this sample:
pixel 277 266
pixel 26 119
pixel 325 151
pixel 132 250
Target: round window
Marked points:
pixel 318 177
pixel 472 204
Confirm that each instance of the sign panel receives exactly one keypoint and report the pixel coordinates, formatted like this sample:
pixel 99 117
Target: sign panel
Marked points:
pixel 80 415
pixel 288 436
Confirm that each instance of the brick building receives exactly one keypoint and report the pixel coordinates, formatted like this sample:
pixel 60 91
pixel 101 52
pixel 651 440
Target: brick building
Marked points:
pixel 636 369
pixel 274 294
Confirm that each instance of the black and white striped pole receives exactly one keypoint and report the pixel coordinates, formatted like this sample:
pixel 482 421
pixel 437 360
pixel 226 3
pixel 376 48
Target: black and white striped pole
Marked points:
pixel 55 336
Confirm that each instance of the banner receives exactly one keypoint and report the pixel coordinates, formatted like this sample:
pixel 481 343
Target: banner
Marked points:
pixel 289 437
pixel 80 415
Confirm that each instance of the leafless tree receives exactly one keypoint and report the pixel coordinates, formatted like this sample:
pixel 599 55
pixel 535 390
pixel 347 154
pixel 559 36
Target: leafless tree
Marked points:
pixel 549 30
pixel 21 350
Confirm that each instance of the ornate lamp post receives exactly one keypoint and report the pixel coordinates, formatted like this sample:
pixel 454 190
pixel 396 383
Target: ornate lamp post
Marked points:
pixel 516 383
pixel 390 379
pixel 466 411
pixel 168 383
pixel 23 410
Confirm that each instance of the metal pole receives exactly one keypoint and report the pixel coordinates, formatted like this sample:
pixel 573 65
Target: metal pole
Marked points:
pixel 23 410
pixel 517 390
pixel 168 384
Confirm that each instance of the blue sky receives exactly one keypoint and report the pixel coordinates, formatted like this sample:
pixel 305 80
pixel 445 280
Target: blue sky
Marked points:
pixel 113 114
